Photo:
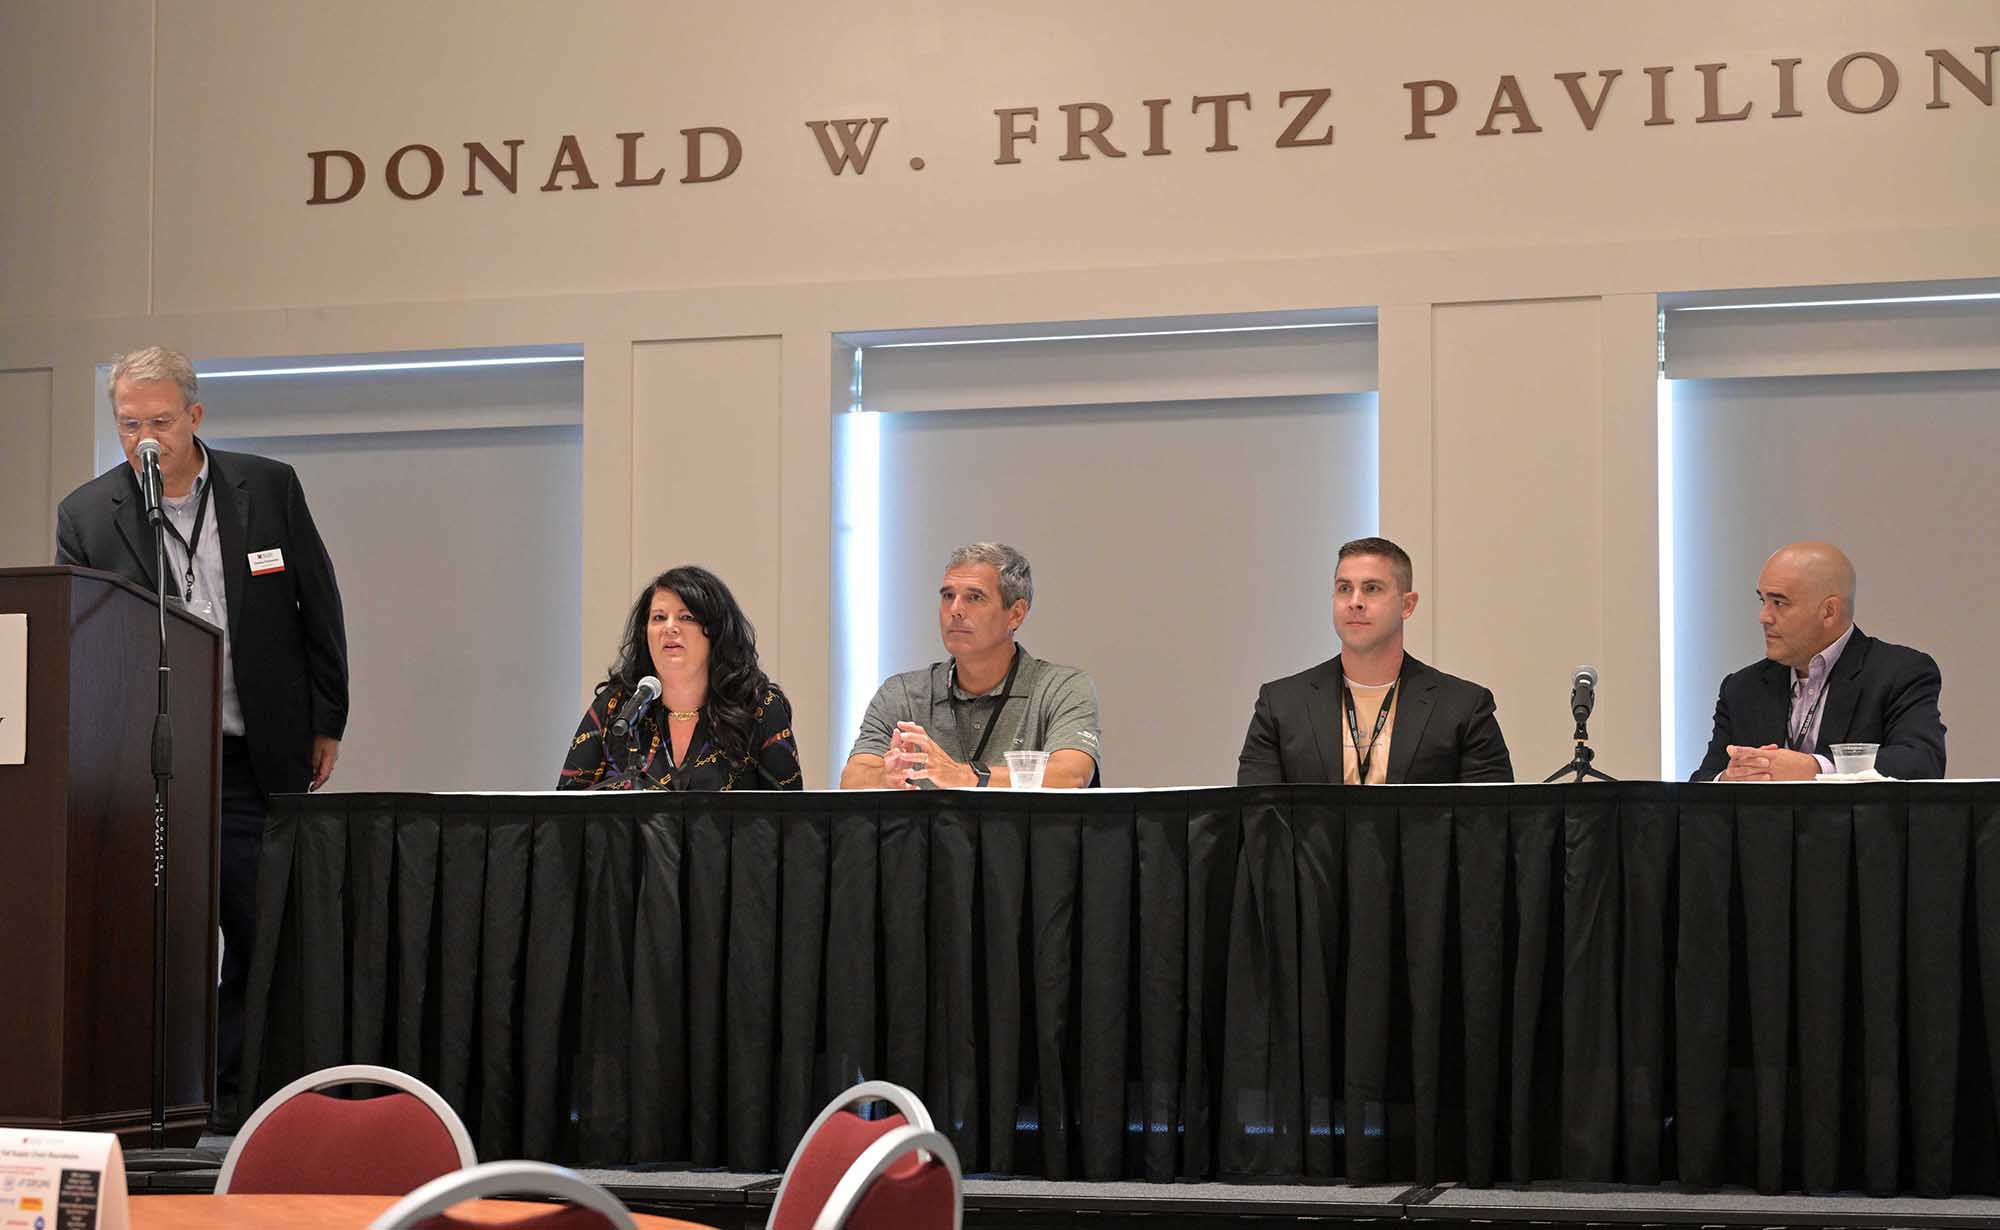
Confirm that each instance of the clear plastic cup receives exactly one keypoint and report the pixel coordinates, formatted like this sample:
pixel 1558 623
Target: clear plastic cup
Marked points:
pixel 1025 769
pixel 1853 757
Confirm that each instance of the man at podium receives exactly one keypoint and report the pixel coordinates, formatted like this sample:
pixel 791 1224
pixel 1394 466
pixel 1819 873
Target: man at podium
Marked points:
pixel 242 552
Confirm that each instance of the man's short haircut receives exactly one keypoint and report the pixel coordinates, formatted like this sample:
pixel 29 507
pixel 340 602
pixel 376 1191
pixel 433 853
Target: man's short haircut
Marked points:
pixel 153 363
pixel 1399 559
pixel 1017 582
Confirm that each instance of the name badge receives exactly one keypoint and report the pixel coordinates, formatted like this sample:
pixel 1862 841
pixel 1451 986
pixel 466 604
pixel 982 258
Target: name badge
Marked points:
pixel 262 562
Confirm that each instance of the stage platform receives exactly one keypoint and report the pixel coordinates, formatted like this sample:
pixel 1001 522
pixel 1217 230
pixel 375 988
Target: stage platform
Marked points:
pixel 737 1201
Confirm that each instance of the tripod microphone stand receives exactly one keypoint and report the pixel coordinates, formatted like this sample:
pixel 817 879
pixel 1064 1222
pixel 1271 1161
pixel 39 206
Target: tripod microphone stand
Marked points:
pixel 1580 763
pixel 1582 699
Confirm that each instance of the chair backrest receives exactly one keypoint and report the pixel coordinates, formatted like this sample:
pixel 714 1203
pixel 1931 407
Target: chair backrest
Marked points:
pixel 907 1180
pixel 300 1141
pixel 830 1146
pixel 427 1208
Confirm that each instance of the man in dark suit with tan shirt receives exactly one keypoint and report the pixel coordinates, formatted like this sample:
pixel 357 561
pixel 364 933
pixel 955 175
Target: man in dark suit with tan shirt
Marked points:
pixel 1373 714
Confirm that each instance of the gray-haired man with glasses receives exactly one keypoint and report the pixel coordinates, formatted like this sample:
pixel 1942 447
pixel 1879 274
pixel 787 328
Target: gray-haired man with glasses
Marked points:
pixel 243 553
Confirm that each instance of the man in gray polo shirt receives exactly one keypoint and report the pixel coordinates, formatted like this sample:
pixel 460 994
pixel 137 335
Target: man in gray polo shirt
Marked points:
pixel 952 722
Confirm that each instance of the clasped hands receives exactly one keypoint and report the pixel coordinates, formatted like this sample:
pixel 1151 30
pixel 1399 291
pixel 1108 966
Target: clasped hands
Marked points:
pixel 914 756
pixel 1769 763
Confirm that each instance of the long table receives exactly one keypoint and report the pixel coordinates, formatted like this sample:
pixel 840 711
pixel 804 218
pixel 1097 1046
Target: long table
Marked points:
pixel 306 1212
pixel 1790 987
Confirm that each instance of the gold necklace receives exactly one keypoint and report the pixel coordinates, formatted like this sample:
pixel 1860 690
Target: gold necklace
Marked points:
pixel 684 715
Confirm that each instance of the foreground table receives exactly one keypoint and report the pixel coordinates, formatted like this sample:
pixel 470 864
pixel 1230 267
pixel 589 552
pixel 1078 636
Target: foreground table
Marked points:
pixel 327 1213
pixel 1780 986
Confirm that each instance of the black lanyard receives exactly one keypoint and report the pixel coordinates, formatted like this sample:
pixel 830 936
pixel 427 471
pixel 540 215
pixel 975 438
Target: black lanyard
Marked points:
pixel 993 718
pixel 188 544
pixel 1361 757
pixel 1796 739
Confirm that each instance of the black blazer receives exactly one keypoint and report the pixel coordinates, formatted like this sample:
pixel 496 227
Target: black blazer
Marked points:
pixel 287 638
pixel 1444 730
pixel 1879 693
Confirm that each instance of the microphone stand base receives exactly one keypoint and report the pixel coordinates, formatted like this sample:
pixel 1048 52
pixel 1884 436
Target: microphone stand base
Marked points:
pixel 1580 763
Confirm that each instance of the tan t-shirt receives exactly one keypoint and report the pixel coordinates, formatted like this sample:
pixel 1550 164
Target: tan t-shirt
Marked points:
pixel 1367 707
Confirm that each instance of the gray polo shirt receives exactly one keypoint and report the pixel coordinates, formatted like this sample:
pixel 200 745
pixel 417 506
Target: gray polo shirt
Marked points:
pixel 1049 708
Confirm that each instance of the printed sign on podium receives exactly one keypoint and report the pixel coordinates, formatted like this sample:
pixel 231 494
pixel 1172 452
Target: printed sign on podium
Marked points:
pixel 13 689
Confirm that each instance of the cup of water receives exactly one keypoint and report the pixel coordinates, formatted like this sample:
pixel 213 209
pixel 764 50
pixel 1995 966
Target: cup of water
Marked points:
pixel 1849 758
pixel 1025 769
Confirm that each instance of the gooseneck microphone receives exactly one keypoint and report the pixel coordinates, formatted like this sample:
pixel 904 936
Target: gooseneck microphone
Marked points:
pixel 149 478
pixel 633 709
pixel 1583 692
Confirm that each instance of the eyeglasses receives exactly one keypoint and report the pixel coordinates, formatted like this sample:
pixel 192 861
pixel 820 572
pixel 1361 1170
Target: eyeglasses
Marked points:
pixel 153 427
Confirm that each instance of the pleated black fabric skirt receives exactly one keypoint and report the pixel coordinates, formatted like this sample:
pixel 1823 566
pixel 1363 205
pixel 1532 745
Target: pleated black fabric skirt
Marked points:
pixel 1785 987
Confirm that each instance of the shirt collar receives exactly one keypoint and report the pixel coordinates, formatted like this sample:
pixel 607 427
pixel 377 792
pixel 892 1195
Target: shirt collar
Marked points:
pixel 952 689
pixel 200 481
pixel 1823 662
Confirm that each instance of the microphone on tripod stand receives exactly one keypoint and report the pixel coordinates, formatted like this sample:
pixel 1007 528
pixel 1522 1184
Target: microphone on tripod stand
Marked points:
pixel 1582 699
pixel 1583 693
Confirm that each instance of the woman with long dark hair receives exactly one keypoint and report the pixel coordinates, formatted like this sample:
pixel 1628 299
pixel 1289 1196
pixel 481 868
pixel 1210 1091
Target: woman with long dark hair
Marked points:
pixel 716 720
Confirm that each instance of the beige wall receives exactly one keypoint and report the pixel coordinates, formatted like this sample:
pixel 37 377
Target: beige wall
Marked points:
pixel 1544 500
pixel 28 528
pixel 1514 272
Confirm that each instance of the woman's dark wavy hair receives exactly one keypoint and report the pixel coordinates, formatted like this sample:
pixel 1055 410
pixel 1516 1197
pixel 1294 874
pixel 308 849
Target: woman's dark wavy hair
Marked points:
pixel 736 684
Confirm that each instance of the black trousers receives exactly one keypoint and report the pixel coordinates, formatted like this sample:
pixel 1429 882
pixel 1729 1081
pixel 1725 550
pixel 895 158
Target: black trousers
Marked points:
pixel 242 842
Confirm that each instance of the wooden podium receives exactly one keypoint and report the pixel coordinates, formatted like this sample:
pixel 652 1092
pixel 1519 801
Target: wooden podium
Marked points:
pixel 76 899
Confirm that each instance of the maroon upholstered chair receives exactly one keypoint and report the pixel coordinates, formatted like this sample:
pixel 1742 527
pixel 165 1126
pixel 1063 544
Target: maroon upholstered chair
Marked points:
pixel 429 1207
pixel 830 1146
pixel 300 1141
pixel 907 1180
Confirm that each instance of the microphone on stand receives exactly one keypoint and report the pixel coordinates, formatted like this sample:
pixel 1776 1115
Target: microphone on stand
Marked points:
pixel 149 479
pixel 633 709
pixel 1582 699
pixel 1583 692
pixel 623 742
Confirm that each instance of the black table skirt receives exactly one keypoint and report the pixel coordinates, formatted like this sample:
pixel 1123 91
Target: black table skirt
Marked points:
pixel 1781 986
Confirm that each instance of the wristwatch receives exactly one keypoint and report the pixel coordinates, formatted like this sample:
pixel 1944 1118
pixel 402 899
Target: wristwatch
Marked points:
pixel 981 772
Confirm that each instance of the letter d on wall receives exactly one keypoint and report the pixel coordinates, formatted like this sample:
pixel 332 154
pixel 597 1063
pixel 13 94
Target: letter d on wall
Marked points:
pixel 357 175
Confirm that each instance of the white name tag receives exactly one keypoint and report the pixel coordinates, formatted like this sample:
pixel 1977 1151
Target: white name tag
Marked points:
pixel 59 1180
pixel 13 689
pixel 262 562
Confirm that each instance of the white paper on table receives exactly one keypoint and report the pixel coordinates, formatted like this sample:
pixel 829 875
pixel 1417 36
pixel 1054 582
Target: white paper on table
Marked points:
pixel 62 1181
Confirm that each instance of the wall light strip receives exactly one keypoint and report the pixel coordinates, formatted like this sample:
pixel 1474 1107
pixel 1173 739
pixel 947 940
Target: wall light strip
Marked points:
pixel 857 562
pixel 1095 337
pixel 1819 303
pixel 1664 410
pixel 333 369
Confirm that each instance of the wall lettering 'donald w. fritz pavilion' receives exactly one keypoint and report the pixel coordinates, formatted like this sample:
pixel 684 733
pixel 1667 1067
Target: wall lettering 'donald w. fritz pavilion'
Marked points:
pixel 1787 88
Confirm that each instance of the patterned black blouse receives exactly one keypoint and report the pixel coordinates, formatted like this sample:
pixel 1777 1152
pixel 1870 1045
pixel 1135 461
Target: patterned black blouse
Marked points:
pixel 773 764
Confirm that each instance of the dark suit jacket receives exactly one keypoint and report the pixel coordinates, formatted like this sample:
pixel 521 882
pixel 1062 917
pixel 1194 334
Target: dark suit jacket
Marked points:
pixel 1444 730
pixel 287 639
pixel 1880 693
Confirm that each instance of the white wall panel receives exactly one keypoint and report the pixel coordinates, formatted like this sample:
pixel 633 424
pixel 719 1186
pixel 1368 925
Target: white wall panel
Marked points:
pixel 457 557
pixel 1897 470
pixel 1183 554
pixel 1298 362
pixel 1952 335
pixel 705 463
